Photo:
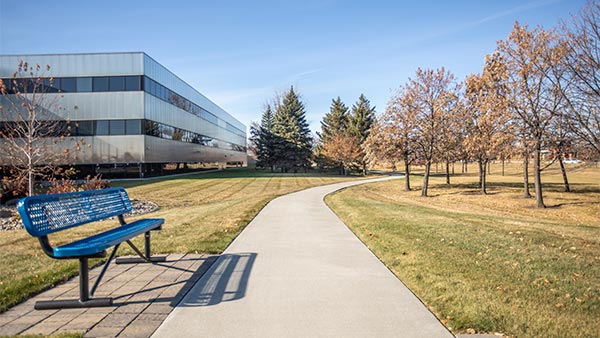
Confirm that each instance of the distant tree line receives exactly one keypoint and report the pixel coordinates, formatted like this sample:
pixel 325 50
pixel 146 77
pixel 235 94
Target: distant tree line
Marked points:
pixel 539 91
pixel 282 140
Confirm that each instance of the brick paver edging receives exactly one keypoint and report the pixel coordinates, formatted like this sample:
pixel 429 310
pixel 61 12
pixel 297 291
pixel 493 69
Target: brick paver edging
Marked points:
pixel 144 294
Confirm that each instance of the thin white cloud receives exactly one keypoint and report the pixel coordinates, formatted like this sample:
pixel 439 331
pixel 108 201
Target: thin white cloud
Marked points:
pixel 303 74
pixel 514 10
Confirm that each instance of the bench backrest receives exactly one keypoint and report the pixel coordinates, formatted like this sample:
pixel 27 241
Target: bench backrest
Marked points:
pixel 45 214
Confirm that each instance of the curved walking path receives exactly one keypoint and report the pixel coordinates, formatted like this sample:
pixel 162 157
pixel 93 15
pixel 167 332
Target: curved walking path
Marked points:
pixel 298 271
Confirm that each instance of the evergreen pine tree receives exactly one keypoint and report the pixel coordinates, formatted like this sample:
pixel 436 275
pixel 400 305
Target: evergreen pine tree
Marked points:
pixel 360 122
pixel 335 122
pixel 292 142
pixel 262 137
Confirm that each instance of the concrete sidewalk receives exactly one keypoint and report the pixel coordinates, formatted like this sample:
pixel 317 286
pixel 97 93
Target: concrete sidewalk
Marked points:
pixel 298 271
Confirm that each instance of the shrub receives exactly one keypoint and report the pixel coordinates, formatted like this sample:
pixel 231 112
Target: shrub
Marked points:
pixel 62 185
pixel 94 183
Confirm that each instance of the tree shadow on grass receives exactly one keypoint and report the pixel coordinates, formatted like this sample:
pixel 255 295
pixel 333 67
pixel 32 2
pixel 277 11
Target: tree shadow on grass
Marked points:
pixel 230 174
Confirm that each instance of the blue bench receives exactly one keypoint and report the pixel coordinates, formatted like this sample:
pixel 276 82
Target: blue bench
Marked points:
pixel 47 214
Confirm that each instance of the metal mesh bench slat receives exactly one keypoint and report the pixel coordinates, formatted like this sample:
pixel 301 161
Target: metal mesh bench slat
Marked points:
pixel 43 215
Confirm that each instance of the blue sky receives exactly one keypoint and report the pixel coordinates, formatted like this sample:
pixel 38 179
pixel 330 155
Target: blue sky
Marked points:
pixel 239 53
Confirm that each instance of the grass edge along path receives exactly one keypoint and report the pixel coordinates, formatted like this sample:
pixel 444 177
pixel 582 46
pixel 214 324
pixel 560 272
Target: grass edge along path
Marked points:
pixel 203 213
pixel 483 270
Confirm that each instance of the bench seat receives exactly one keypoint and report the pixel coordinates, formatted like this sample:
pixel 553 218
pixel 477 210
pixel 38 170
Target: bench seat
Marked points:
pixel 97 243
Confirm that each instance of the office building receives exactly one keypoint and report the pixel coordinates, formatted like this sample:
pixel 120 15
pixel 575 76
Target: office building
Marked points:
pixel 137 118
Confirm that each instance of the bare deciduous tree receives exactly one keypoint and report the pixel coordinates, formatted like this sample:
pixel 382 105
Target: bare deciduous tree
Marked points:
pixel 534 98
pixel 434 94
pixel 391 137
pixel 582 38
pixel 487 128
pixel 32 134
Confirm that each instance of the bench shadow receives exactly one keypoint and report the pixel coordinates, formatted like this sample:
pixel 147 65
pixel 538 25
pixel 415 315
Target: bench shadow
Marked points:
pixel 225 281
pixel 218 279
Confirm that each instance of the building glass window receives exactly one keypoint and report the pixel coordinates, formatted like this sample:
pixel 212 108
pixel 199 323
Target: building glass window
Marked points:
pixel 151 128
pixel 100 84
pixel 133 127
pixel 132 83
pixel 166 132
pixel 163 93
pixel 117 127
pixel 102 127
pixel 50 85
pixel 84 84
pixel 68 84
pixel 117 83
pixel 84 128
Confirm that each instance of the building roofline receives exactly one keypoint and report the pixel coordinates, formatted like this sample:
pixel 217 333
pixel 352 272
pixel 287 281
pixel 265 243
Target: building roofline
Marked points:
pixel 58 54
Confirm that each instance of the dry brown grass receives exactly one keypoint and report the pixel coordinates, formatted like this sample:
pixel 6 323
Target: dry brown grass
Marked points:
pixel 490 263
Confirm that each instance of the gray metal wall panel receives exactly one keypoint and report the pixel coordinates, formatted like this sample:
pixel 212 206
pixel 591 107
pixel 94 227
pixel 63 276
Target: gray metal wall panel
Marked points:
pixel 91 106
pixel 101 106
pixel 161 150
pixel 116 149
pixel 77 64
pixel 98 149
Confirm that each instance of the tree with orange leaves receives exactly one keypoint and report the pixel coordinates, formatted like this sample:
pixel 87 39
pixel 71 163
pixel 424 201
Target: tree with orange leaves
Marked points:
pixel 531 57
pixel 344 149
pixel 435 100
pixel 487 121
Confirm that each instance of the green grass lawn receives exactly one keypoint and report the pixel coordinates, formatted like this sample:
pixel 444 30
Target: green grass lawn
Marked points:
pixel 203 214
pixel 489 263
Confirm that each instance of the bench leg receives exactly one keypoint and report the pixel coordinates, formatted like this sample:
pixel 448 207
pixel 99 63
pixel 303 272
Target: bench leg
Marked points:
pixel 146 257
pixel 84 295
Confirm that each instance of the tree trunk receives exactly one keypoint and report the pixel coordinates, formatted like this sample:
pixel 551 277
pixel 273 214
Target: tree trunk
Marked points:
pixel 480 163
pixel 30 176
pixel 482 178
pixel 537 176
pixel 526 193
pixel 502 167
pixel 462 165
pixel 364 165
pixel 466 166
pixel 407 176
pixel 564 173
pixel 426 179
pixel 447 172
pixel 30 183
pixel 436 167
